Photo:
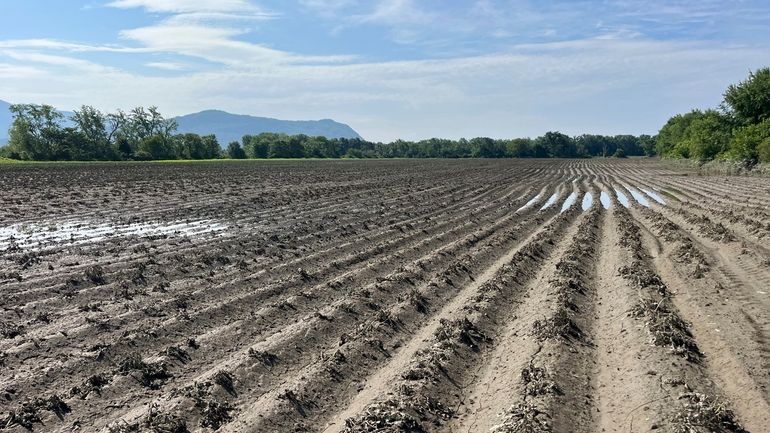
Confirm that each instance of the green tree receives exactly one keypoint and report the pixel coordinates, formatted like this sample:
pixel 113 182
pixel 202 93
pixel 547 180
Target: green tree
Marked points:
pixel 763 151
pixel 235 151
pixel 671 137
pixel 211 149
pixel 749 100
pixel 648 144
pixel 36 131
pixel 485 147
pixel 558 145
pixel 154 147
pixel 708 135
pixel 747 141
pixel 93 136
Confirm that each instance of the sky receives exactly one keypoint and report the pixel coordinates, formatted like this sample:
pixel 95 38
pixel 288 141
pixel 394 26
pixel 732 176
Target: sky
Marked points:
pixel 408 69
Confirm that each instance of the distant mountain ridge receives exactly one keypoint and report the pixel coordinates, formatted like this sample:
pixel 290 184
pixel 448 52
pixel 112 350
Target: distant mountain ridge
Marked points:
pixel 232 127
pixel 5 122
pixel 228 127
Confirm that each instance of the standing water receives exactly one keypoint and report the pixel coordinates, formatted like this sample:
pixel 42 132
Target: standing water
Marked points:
pixel 639 197
pixel 654 196
pixel 588 200
pixel 605 199
pixel 622 198
pixel 569 201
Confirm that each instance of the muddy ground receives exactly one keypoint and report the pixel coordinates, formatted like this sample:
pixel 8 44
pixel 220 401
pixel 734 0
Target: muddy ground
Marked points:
pixel 388 296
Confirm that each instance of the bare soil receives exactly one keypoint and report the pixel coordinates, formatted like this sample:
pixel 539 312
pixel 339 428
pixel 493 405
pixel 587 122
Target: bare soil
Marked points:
pixel 383 296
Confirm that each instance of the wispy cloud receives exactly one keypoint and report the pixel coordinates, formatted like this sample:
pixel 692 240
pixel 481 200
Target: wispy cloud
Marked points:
pixel 187 6
pixel 168 66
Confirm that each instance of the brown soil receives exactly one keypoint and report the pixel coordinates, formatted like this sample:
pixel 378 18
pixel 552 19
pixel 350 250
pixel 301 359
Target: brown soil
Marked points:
pixel 362 296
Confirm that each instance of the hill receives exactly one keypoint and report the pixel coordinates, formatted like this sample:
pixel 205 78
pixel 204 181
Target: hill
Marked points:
pixel 231 127
pixel 5 121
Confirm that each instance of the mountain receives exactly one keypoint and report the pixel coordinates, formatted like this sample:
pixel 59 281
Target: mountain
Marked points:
pixel 5 122
pixel 231 127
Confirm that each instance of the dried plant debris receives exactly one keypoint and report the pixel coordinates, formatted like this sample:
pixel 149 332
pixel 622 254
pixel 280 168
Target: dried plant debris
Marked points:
pixel 399 415
pixel 461 331
pixel 28 413
pixel 702 413
pixel 225 379
pixel 11 330
pixel 524 418
pixel 537 382
pixel 161 422
pixel 93 384
pixel 95 274
pixel 560 325
pixel 214 413
pixel 152 375
pixel 667 328
pixel 266 358
pixel 388 416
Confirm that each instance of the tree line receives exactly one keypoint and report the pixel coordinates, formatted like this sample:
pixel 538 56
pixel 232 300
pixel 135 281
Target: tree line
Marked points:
pixel 738 130
pixel 41 133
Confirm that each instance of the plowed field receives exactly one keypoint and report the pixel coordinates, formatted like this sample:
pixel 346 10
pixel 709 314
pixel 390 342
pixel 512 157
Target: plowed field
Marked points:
pixel 383 296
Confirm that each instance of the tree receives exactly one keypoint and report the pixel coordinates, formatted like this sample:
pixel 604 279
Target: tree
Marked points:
pixel 211 149
pixel 749 100
pixel 763 151
pixel 93 136
pixel 36 131
pixel 648 144
pixel 154 147
pixel 672 135
pixel 746 143
pixel 558 145
pixel 485 147
pixel 708 135
pixel 235 151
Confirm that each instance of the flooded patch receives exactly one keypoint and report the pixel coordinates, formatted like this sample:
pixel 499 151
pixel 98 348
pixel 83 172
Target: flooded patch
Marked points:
pixel 588 200
pixel 605 199
pixel 550 201
pixel 639 197
pixel 43 235
pixel 530 202
pixel 569 201
pixel 622 198
pixel 654 196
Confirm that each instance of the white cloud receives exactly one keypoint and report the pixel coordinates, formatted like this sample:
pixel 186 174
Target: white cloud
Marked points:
pixel 168 66
pixel 216 44
pixel 69 63
pixel 187 6
pixel 602 86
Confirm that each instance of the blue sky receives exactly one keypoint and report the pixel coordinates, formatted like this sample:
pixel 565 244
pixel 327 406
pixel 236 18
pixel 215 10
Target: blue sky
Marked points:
pixel 390 68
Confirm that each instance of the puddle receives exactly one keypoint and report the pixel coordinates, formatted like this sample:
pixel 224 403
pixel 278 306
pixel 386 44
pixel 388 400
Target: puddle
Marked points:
pixel 654 196
pixel 622 198
pixel 530 202
pixel 639 197
pixel 550 201
pixel 588 200
pixel 569 201
pixel 42 235
pixel 605 199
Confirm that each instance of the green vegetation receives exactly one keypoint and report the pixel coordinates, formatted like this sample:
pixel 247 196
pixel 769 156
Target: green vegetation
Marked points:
pixel 40 133
pixel 739 130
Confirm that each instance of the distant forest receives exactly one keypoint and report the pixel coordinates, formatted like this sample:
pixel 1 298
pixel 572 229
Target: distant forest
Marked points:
pixel 41 133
